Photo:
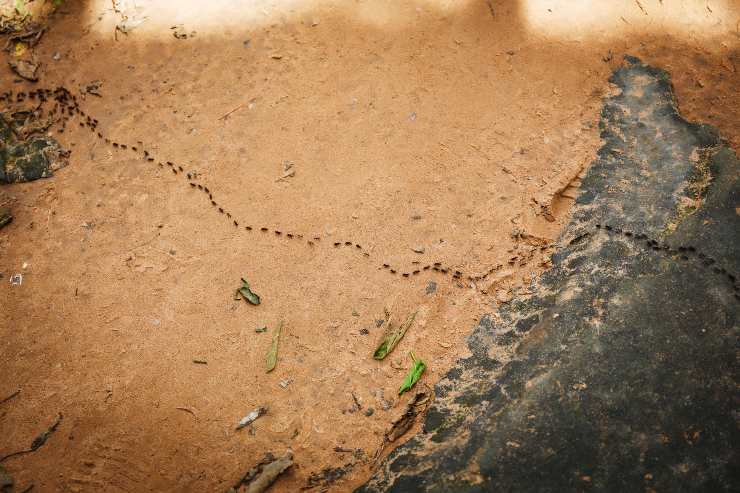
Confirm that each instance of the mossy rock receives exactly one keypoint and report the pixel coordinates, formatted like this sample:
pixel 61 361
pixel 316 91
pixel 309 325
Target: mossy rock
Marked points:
pixel 37 156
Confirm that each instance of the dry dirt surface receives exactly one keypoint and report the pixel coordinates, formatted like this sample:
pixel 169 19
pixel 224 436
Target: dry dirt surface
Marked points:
pixel 449 132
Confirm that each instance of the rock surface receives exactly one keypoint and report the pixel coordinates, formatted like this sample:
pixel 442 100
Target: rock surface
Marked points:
pixel 623 368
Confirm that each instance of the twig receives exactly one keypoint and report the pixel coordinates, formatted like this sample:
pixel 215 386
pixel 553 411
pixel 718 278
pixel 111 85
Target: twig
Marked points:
pixel 14 394
pixel 641 7
pixel 187 410
pixel 230 112
pixel 37 442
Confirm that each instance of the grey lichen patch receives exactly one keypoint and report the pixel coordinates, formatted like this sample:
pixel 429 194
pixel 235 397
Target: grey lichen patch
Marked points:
pixel 694 191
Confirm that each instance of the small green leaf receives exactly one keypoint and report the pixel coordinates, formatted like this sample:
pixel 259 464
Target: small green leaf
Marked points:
pixel 413 376
pixel 272 353
pixel 247 293
pixel 392 337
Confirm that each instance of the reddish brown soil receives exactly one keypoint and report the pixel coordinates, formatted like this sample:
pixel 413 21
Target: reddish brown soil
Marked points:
pixel 444 125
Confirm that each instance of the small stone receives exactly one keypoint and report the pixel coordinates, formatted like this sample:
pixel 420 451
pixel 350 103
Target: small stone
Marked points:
pixel 417 249
pixel 369 412
pixel 431 287
pixel 364 332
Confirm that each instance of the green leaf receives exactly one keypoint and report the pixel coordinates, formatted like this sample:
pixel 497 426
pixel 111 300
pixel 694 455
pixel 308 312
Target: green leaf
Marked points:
pixel 392 336
pixel 272 353
pixel 413 376
pixel 20 7
pixel 247 293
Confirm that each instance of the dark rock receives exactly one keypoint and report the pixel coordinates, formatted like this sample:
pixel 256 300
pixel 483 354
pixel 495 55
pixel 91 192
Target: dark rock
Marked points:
pixel 623 374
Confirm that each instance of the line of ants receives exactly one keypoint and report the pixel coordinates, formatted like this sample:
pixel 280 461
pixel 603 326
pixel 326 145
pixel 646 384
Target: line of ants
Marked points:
pixel 682 252
pixel 67 106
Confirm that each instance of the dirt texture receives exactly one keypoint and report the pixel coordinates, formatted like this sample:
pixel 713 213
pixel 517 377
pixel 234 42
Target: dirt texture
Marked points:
pixel 431 132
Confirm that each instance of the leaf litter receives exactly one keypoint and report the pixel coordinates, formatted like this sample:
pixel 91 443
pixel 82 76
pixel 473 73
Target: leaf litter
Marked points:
pixel 392 336
pixel 261 476
pixel 415 372
pixel 273 352
pixel 40 440
pixel 244 291
pixel 251 417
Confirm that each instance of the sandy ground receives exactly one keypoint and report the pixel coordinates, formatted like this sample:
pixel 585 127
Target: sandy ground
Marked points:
pixel 459 128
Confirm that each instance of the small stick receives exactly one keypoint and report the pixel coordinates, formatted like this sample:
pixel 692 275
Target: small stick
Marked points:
pixel 230 112
pixel 187 411
pixel 11 396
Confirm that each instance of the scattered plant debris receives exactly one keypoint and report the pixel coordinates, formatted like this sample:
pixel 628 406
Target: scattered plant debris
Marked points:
pixel 261 329
pixel 251 417
pixel 93 88
pixel 178 31
pixel 37 442
pixel 131 16
pixel 414 374
pixel 26 68
pixel 327 476
pixel 252 473
pixel 245 292
pixel 226 115
pixel 403 423
pixel 261 476
pixel 273 352
pixel 356 405
pixel 416 406
pixel 288 170
pixel 29 37
pixel 392 336
pixel 200 362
